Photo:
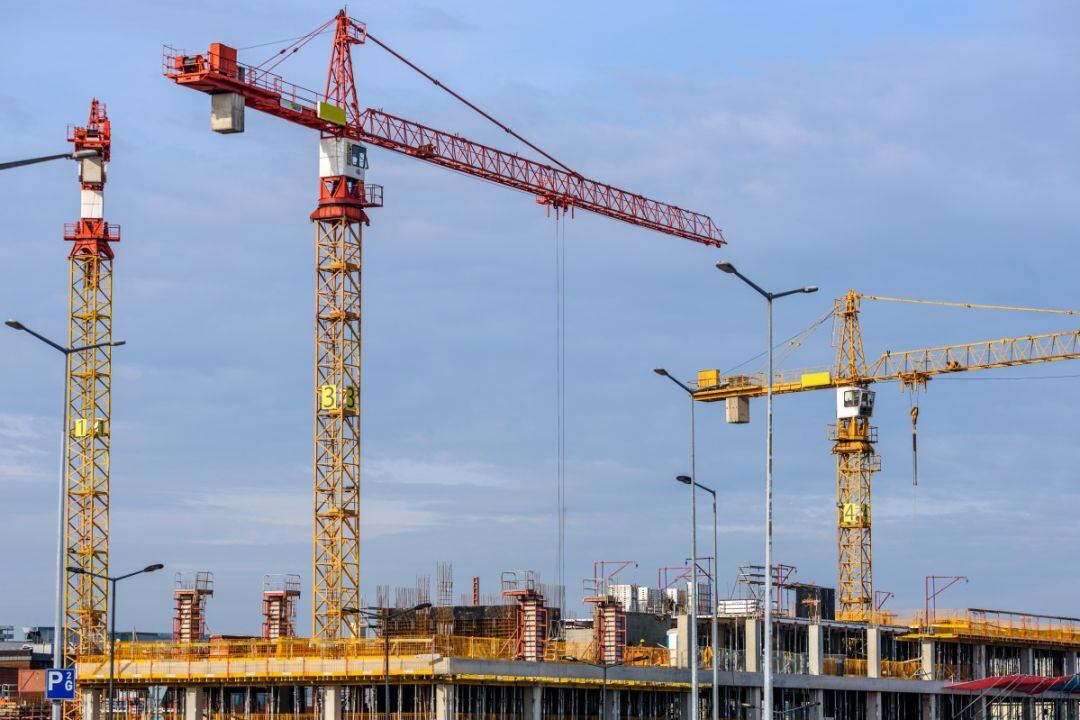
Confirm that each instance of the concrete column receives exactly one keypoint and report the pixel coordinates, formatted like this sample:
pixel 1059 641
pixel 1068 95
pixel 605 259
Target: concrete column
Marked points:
pixel 684 706
pixel 1027 660
pixel 194 703
pixel 815 648
pixel 331 705
pixel 818 711
pixel 929 707
pixel 927 647
pixel 91 703
pixel 978 662
pixel 444 702
pixel 682 638
pixel 532 708
pixel 611 705
pixel 1070 663
pixel 753 696
pixel 873 705
pixel 753 649
pixel 873 653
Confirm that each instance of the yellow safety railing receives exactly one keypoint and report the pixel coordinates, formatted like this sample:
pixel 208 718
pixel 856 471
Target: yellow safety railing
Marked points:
pixel 648 656
pixel 478 648
pixel 953 673
pixel 253 656
pixel 843 666
pixel 1000 625
pixel 902 669
pixel 559 650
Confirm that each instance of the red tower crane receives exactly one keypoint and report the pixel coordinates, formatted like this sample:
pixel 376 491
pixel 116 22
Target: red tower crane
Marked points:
pixel 344 199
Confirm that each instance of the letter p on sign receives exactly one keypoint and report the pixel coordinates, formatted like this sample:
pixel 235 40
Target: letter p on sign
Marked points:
pixel 60 684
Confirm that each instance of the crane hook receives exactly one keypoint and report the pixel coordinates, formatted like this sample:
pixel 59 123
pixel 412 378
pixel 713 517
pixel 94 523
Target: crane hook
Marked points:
pixel 914 446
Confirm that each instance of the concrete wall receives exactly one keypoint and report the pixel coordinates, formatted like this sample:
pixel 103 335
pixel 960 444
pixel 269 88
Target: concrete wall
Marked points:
pixel 647 629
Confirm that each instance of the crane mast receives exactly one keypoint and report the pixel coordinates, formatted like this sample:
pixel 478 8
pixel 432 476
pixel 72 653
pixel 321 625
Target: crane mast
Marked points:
pixel 89 404
pixel 339 218
pixel 344 199
pixel 856 462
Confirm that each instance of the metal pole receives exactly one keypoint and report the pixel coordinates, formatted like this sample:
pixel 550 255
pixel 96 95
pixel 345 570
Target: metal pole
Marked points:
pixel 767 685
pixel 61 528
pixel 386 663
pixel 692 654
pixel 715 632
pixel 112 649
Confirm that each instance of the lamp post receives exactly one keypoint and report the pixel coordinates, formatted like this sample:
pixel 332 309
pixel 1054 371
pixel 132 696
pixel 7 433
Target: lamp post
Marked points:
pixel 112 619
pixel 716 598
pixel 604 667
pixel 77 155
pixel 692 650
pixel 58 610
pixel 385 616
pixel 767 680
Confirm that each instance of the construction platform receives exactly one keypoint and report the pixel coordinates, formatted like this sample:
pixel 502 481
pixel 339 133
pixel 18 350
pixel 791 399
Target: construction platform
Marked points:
pixel 823 669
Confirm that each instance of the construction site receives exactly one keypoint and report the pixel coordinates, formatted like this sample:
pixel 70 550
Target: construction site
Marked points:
pixel 507 647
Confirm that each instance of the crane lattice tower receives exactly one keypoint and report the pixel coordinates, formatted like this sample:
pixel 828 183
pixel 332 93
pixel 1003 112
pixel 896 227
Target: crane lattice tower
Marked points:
pixel 856 463
pixel 89 384
pixel 339 217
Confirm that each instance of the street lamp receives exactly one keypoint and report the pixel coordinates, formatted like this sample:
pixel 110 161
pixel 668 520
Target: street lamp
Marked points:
pixel 604 667
pixel 112 618
pixel 77 155
pixel 58 617
pixel 385 616
pixel 767 683
pixel 692 650
pixel 716 598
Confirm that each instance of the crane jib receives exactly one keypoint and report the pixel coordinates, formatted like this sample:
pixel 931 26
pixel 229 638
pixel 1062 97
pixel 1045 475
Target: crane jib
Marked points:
pixel 217 71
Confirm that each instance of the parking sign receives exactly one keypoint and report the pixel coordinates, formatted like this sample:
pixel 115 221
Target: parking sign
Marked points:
pixel 60 684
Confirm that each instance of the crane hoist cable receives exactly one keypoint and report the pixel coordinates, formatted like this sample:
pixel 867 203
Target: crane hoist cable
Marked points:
pixel 277 42
pixel 560 403
pixel 976 306
pixel 285 53
pixel 505 128
pixel 914 412
pixel 795 341
pixel 289 50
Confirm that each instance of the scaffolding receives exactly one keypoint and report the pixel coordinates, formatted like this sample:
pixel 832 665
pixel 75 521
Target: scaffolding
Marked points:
pixel 444 584
pixel 532 627
pixel 280 593
pixel 191 591
pixel 610 603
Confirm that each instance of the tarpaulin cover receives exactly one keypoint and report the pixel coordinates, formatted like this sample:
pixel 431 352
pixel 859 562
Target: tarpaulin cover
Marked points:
pixel 1030 684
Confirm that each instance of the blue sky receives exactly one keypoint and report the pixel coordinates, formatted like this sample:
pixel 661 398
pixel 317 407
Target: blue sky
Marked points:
pixel 921 150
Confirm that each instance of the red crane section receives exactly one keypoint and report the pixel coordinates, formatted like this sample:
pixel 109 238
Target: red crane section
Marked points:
pixel 218 71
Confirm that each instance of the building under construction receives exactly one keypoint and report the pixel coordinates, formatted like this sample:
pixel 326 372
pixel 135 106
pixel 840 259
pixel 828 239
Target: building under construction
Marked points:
pixel 518 660
pixel 513 655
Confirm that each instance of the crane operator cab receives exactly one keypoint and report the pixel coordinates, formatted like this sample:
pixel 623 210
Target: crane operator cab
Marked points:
pixel 854 402
pixel 342 156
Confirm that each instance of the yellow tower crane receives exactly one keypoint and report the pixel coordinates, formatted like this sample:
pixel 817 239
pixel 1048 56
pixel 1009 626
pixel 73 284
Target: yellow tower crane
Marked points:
pixel 853 437
pixel 89 402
